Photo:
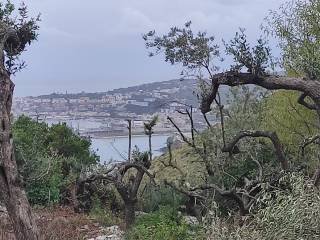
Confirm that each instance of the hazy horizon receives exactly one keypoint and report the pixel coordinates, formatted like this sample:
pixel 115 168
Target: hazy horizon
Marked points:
pixel 98 46
pixel 83 91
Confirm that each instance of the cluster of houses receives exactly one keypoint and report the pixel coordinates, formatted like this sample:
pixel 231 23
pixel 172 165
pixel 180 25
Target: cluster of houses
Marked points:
pixel 111 109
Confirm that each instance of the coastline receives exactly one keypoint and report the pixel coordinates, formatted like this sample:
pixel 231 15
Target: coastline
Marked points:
pixel 116 134
pixel 133 135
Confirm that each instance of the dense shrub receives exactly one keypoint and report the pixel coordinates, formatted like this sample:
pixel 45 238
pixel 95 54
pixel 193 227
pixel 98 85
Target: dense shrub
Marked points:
pixel 50 158
pixel 44 183
pixel 159 225
pixel 292 213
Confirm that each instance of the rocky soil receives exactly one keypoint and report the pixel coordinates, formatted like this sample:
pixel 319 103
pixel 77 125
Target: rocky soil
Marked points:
pixel 61 223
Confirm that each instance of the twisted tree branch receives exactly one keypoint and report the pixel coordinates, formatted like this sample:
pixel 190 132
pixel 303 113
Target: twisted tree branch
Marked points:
pixel 301 100
pixel 266 134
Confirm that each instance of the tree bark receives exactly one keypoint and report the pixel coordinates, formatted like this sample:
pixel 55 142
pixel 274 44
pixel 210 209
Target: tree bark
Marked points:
pixel 130 216
pixel 308 87
pixel 12 192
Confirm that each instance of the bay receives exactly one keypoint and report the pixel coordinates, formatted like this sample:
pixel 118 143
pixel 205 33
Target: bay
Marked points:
pixel 116 148
pixel 113 148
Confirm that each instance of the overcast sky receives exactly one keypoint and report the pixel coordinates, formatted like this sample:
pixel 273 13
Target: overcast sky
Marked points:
pixel 97 45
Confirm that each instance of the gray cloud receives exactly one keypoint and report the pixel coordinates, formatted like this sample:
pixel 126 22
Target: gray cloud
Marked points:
pixel 96 45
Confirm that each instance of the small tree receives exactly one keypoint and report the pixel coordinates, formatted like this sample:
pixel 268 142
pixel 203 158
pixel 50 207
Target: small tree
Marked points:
pixel 15 34
pixel 148 129
pixel 126 176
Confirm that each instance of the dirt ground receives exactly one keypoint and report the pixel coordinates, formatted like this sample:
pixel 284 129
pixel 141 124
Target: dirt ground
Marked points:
pixel 57 223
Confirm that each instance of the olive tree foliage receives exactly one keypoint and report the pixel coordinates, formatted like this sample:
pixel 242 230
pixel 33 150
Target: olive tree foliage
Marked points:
pixel 289 212
pixel 20 31
pixel 200 56
pixel 181 45
pixel 296 25
pixel 255 60
pixel 200 53
pixel 292 122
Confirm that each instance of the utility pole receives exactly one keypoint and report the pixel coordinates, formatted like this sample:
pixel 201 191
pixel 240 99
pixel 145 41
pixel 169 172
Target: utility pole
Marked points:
pixel 130 138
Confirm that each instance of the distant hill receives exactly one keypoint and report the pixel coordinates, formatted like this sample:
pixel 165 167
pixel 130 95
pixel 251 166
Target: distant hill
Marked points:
pixel 141 99
pixel 187 89
pixel 147 87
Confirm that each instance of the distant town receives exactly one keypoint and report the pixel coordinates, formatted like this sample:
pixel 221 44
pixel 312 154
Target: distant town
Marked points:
pixel 105 114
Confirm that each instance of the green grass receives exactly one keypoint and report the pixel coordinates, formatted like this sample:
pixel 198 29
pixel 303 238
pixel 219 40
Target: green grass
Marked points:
pixel 163 224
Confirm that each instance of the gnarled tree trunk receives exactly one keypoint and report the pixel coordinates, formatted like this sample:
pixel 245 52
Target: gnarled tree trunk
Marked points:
pixel 12 192
pixel 129 195
pixel 130 207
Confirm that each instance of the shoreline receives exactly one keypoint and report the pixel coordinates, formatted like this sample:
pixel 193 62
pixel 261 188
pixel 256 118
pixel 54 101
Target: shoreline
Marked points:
pixel 104 135
pixel 133 135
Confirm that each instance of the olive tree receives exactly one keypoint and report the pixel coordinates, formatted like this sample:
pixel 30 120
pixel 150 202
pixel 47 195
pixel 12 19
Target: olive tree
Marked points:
pixel 126 176
pixel 16 32
pixel 200 57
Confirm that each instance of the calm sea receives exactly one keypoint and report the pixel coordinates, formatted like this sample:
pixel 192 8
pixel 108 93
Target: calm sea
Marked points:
pixel 114 148
pixel 117 148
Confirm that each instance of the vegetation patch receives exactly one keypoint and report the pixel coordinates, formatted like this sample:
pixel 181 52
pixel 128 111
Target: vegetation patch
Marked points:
pixel 162 224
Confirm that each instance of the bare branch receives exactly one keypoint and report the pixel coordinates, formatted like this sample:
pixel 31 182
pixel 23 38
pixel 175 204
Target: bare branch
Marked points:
pixel 126 166
pixel 260 176
pixel 231 194
pixel 220 106
pixel 207 121
pixel 266 134
pixel 171 164
pixel 119 153
pixel 308 142
pixel 184 191
pixel 184 138
pixel 301 100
